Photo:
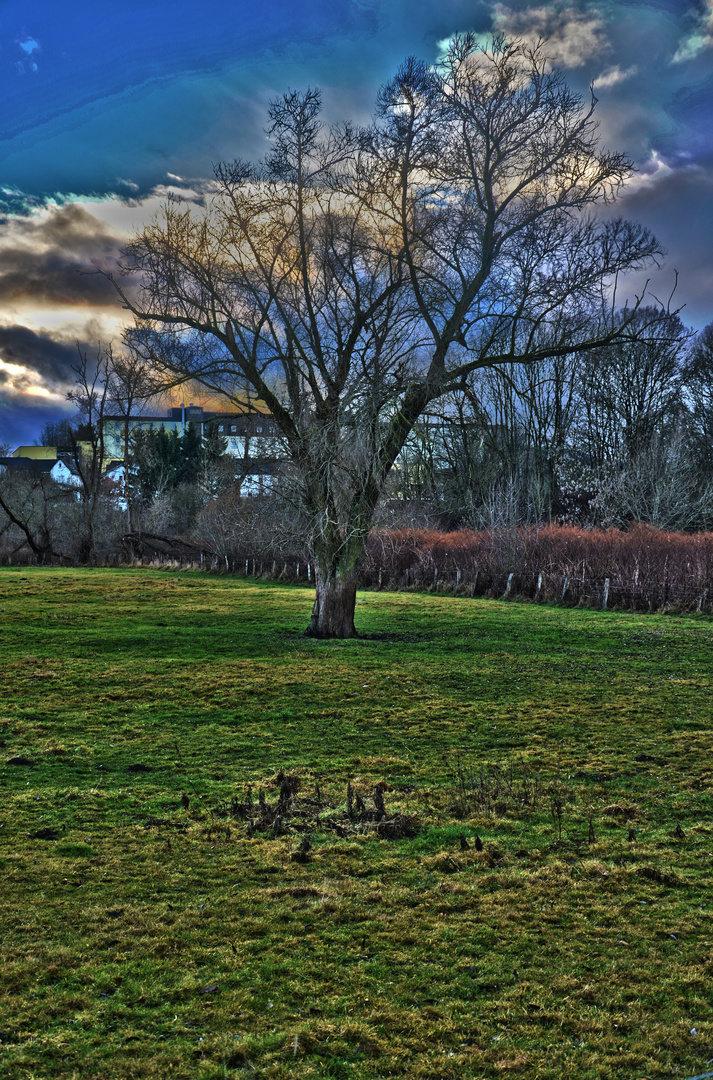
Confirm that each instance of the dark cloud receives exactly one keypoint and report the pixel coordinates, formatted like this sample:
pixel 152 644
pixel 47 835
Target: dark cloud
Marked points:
pixel 691 113
pixel 50 279
pixel 74 229
pixel 45 361
pixel 113 110
pixel 58 259
pixel 52 360
pixel 680 203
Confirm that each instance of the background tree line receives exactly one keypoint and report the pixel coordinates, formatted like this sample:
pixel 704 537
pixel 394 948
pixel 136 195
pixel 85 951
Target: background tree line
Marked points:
pixel 597 439
pixel 165 481
pixel 592 440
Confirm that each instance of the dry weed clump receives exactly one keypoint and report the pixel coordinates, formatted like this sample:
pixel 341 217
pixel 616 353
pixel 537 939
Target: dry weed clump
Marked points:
pixel 492 789
pixel 295 812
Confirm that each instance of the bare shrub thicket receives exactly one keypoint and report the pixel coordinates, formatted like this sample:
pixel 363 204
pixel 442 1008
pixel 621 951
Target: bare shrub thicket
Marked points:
pixel 646 567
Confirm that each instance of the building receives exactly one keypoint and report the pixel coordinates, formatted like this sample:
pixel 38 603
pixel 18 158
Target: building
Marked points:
pixel 60 466
pixel 36 453
pixel 61 471
pixel 247 434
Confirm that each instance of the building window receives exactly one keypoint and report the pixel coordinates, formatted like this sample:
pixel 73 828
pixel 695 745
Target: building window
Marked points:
pixel 233 427
pixel 220 428
pixel 259 430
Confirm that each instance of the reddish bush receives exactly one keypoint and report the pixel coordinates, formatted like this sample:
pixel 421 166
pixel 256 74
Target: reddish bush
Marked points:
pixel 646 567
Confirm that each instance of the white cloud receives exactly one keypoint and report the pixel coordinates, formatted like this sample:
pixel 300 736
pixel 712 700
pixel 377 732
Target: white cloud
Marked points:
pixel 613 76
pixel 700 39
pixel 650 174
pixel 573 37
pixel 29 45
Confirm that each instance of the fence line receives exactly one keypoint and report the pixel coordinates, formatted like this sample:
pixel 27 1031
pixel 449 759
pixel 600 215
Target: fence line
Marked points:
pixel 542 586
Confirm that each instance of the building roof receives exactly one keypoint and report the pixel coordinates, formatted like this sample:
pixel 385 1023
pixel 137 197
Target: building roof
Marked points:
pixel 25 464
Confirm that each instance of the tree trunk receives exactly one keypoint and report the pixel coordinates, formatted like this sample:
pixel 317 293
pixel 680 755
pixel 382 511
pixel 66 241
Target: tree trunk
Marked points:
pixel 334 603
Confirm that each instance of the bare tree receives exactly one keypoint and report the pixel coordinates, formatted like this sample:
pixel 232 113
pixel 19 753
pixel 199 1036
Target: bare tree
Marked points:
pixel 632 391
pixel 91 395
pixel 659 484
pixel 130 383
pixel 32 512
pixel 698 393
pixel 497 446
pixel 355 277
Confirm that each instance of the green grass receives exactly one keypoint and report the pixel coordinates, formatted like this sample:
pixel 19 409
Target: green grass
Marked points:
pixel 148 939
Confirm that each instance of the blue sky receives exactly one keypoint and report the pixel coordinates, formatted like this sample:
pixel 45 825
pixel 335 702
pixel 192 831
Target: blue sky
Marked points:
pixel 108 105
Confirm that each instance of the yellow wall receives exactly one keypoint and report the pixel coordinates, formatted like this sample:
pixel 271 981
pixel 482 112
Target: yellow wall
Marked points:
pixel 42 453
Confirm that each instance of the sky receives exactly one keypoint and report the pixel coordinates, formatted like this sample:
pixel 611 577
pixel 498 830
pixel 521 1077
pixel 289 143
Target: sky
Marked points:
pixel 109 106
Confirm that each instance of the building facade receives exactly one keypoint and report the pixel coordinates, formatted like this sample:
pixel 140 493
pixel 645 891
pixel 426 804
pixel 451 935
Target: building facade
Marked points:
pixel 247 434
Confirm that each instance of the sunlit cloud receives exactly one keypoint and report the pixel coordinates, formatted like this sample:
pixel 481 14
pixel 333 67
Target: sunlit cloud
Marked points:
pixel 573 37
pixel 21 381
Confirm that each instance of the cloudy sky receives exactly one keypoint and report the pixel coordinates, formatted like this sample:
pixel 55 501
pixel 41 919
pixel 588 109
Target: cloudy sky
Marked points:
pixel 108 106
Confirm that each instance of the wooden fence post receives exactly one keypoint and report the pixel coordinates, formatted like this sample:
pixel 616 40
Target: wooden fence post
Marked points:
pixel 508 587
pixel 539 586
pixel 457 578
pixel 605 601
pixel 474 586
pixel 565 586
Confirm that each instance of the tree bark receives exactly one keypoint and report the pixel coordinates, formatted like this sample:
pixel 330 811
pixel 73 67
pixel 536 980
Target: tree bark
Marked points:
pixel 334 604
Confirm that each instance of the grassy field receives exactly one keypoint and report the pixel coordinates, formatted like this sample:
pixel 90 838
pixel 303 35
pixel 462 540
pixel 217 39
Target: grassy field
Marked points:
pixel 476 841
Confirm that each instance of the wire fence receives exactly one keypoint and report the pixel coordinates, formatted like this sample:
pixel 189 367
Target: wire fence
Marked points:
pixel 569 589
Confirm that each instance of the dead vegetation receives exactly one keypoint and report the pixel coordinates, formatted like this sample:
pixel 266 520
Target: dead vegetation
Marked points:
pixel 295 811
pixel 493 789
